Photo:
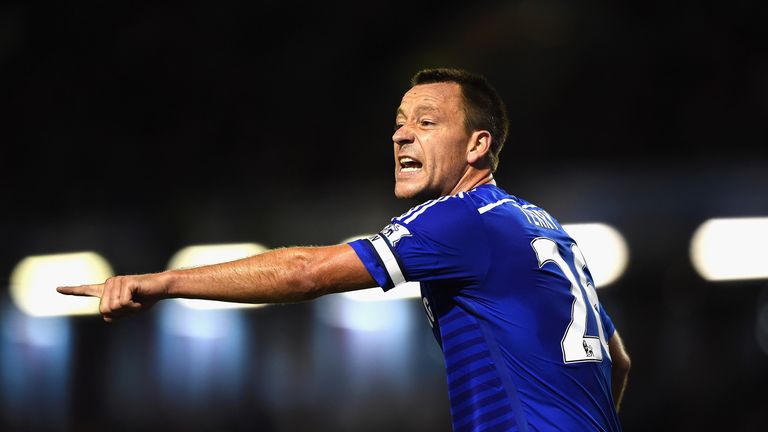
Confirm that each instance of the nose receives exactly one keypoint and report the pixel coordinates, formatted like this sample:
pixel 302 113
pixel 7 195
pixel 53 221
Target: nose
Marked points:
pixel 403 135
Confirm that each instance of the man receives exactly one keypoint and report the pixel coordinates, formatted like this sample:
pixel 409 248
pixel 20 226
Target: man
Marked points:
pixel 507 292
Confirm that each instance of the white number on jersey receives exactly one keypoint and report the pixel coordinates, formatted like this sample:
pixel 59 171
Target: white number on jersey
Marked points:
pixel 576 345
pixel 428 309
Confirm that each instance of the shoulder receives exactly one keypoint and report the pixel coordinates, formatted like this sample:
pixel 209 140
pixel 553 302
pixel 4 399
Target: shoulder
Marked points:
pixel 460 206
pixel 498 205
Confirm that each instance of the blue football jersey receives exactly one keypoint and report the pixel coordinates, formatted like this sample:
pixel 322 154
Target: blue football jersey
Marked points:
pixel 513 306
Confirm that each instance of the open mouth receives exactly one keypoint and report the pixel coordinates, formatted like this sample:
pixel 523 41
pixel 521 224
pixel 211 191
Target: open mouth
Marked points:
pixel 408 164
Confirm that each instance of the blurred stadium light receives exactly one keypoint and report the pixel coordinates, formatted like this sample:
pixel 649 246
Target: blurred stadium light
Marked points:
pixel 209 323
pixel 35 370
pixel 366 316
pixel 408 290
pixel 199 255
pixel 731 249
pixel 49 332
pixel 35 278
pixel 604 248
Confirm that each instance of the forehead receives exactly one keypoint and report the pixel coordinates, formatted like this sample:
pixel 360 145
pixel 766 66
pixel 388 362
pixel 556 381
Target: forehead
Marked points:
pixel 443 97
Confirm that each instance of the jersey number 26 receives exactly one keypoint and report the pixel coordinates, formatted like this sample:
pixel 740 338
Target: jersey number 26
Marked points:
pixel 576 344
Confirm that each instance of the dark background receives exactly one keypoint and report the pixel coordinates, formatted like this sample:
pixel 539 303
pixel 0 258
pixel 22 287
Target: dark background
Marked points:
pixel 136 130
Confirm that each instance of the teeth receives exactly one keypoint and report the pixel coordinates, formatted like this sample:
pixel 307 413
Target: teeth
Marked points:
pixel 408 164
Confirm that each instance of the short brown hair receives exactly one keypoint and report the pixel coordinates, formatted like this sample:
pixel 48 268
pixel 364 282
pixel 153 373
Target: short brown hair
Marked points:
pixel 483 107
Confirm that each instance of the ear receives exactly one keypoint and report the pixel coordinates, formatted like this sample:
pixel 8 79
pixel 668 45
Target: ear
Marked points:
pixel 478 147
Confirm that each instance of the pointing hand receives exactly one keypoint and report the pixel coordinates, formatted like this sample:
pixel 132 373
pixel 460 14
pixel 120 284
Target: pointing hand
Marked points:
pixel 121 295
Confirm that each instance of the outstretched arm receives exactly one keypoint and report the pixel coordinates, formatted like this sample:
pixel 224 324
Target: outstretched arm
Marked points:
pixel 619 369
pixel 283 275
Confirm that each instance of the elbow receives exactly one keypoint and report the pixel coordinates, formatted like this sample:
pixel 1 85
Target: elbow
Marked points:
pixel 304 279
pixel 623 363
pixel 318 271
pixel 627 363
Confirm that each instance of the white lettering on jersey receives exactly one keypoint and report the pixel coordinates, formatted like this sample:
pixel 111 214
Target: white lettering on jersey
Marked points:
pixel 537 216
pixel 532 213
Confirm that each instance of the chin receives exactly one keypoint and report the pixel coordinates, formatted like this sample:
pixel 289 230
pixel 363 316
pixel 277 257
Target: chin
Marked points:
pixel 400 194
pixel 413 192
pixel 404 192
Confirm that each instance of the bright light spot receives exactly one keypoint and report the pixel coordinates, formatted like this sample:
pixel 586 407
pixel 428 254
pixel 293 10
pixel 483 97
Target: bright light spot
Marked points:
pixel 35 278
pixel 731 249
pixel 340 311
pixel 207 325
pixel 195 256
pixel 42 332
pixel 604 248
pixel 407 290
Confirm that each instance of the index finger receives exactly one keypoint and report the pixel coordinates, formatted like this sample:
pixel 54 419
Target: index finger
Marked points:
pixel 82 290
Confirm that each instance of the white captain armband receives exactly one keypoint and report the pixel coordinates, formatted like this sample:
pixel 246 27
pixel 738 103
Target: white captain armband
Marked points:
pixel 388 259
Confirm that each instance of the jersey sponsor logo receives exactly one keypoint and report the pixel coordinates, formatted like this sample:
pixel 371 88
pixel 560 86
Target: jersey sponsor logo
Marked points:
pixel 395 232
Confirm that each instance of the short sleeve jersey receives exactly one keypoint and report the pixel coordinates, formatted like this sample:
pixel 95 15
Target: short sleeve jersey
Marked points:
pixel 513 307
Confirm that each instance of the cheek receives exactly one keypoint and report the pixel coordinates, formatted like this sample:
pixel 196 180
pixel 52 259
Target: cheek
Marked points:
pixel 450 160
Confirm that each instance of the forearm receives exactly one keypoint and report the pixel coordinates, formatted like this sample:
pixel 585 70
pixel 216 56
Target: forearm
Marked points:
pixel 619 369
pixel 283 275
pixel 619 385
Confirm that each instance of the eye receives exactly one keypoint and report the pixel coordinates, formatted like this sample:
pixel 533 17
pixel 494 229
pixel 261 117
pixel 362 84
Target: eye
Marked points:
pixel 426 123
pixel 398 126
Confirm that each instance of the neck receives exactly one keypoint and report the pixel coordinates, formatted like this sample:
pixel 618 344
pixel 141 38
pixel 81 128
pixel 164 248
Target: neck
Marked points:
pixel 473 178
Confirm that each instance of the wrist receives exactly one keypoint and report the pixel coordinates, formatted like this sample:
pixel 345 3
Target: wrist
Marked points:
pixel 170 281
